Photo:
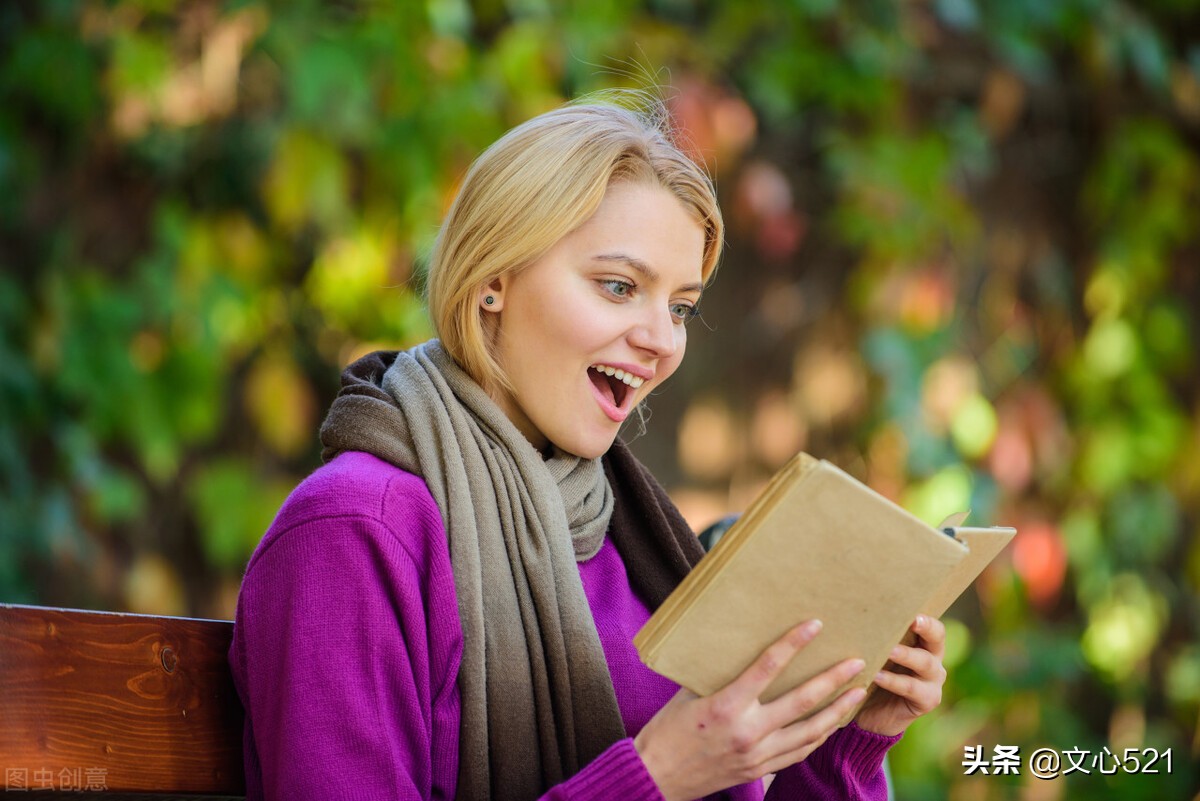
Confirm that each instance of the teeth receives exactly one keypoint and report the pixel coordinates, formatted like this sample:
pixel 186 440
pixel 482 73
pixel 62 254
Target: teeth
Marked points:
pixel 629 378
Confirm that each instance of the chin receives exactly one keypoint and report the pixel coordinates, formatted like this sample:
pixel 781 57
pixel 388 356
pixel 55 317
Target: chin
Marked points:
pixel 587 447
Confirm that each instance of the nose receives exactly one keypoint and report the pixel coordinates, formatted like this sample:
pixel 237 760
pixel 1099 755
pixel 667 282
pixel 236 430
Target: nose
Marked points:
pixel 656 333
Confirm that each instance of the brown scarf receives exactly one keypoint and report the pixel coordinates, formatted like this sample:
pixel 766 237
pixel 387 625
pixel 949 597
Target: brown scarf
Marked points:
pixel 537 700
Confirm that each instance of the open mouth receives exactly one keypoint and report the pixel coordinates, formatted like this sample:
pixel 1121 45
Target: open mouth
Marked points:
pixel 615 390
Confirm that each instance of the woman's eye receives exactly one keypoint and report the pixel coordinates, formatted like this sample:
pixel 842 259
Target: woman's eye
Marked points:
pixel 683 312
pixel 621 289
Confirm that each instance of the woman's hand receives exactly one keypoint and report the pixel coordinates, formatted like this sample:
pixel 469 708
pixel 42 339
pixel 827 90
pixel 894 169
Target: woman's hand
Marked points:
pixel 903 697
pixel 695 746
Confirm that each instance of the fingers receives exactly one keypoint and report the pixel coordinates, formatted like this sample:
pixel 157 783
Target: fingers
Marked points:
pixel 797 703
pixel 920 661
pixel 897 683
pixel 932 633
pixel 921 695
pixel 924 661
pixel 923 688
pixel 767 667
pixel 795 742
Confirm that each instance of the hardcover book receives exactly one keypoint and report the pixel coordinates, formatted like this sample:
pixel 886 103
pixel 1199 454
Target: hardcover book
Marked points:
pixel 816 543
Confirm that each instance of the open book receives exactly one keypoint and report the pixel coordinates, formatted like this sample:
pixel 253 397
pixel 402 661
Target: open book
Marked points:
pixel 815 544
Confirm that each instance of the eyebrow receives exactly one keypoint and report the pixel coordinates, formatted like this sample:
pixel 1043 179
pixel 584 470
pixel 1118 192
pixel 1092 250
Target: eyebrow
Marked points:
pixel 645 269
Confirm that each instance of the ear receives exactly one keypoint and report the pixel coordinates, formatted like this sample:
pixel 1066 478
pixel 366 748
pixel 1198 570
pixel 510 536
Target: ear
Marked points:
pixel 493 291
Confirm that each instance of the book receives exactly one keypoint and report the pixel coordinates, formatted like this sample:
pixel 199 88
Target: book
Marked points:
pixel 816 543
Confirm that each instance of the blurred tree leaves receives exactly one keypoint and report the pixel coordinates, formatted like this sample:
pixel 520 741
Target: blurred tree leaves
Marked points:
pixel 962 262
pixel 233 505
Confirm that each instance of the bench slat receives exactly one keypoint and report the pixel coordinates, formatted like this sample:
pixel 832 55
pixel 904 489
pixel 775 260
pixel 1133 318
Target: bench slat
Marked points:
pixel 135 703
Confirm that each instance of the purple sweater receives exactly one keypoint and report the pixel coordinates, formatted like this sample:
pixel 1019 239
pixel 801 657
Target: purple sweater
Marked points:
pixel 347 646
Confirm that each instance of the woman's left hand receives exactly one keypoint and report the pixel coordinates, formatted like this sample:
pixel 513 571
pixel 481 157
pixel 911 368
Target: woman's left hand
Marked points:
pixel 901 698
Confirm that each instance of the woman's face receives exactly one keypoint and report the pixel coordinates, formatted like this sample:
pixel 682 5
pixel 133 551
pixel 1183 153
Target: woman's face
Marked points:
pixel 611 296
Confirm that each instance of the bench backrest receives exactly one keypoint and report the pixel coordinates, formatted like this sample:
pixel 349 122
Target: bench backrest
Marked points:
pixel 117 703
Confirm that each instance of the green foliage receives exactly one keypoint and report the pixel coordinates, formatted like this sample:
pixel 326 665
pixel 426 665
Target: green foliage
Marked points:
pixel 962 245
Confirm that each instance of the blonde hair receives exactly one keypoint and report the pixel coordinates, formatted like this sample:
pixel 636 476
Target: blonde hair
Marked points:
pixel 533 186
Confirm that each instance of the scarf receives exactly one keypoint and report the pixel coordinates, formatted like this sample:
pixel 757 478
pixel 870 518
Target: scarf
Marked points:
pixel 537 700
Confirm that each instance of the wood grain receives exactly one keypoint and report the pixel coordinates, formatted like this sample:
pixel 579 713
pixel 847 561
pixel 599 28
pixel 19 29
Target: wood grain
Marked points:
pixel 147 703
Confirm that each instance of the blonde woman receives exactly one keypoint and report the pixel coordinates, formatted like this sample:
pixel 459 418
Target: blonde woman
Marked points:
pixel 446 608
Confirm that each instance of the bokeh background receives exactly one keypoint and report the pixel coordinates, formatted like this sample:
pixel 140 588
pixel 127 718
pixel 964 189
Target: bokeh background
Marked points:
pixel 962 264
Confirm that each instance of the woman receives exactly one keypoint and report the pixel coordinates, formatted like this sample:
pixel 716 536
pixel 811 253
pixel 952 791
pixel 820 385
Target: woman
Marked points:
pixel 446 608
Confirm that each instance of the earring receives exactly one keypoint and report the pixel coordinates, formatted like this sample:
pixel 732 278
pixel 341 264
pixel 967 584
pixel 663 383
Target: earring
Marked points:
pixel 489 300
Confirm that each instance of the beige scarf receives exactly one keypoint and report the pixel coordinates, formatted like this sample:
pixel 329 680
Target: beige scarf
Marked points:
pixel 537 699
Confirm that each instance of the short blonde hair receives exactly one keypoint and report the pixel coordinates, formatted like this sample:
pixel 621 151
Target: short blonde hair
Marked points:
pixel 533 186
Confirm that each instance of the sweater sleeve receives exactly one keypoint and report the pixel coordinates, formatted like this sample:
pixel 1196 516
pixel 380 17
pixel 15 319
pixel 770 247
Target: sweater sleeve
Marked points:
pixel 846 767
pixel 341 658
pixel 617 773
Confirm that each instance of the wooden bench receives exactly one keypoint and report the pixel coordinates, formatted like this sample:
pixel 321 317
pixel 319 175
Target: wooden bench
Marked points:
pixel 112 705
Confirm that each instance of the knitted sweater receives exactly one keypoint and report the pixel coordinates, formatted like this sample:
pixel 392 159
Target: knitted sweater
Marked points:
pixel 347 645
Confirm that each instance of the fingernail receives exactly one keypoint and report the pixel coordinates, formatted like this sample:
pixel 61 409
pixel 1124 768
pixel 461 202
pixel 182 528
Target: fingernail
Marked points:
pixel 896 652
pixel 854 667
pixel 920 622
pixel 879 676
pixel 811 628
pixel 857 694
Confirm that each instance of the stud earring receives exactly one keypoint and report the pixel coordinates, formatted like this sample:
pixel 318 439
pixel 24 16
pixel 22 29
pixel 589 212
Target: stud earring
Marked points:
pixel 489 300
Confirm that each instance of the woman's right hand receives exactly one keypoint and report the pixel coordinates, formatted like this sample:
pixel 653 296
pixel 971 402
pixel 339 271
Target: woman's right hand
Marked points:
pixel 695 746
